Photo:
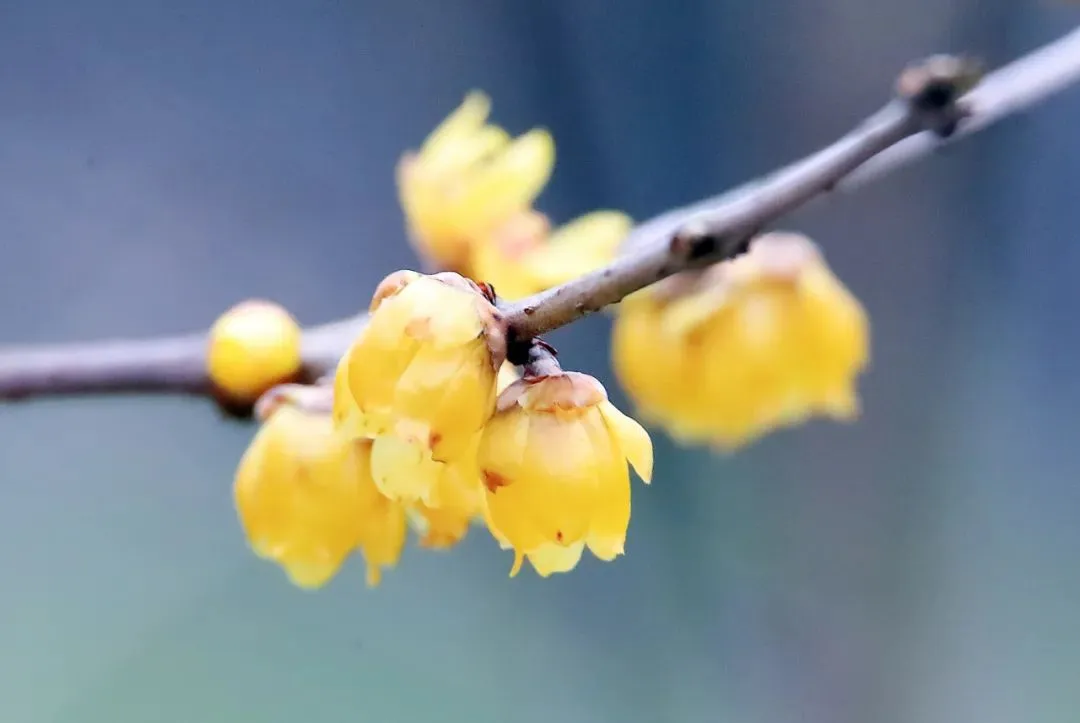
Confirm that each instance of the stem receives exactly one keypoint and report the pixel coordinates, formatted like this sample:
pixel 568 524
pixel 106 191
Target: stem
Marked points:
pixel 683 238
pixel 541 360
pixel 723 232
pixel 174 365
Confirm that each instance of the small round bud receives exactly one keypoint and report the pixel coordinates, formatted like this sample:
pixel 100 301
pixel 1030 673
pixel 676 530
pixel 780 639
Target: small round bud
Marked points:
pixel 253 346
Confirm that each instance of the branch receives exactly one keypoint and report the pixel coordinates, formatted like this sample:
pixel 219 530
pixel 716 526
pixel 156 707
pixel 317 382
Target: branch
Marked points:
pixel 906 130
pixel 175 365
pixel 883 143
pixel 927 102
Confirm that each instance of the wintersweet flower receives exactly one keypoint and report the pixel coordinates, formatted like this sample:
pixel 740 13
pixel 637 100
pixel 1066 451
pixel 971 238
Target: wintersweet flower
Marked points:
pixel 763 341
pixel 523 255
pixel 306 500
pixel 468 177
pixel 252 347
pixel 553 460
pixel 421 379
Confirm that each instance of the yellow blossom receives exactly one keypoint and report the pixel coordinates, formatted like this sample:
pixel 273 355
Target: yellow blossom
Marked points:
pixel 460 501
pixel 306 500
pixel 553 460
pixel 421 379
pixel 468 177
pixel 252 347
pixel 459 492
pixel 523 255
pixel 765 340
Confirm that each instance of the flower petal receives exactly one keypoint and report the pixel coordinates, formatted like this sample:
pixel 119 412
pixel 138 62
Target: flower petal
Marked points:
pixel 551 558
pixel 633 439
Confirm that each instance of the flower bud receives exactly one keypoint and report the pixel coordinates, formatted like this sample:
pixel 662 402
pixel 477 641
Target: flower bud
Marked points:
pixel 252 347
pixel 421 378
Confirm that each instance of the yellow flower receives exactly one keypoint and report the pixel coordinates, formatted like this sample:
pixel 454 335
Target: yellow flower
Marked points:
pixel 459 492
pixel 553 460
pixel 306 500
pixel 523 256
pixel 468 177
pixel 760 342
pixel 460 500
pixel 252 347
pixel 421 379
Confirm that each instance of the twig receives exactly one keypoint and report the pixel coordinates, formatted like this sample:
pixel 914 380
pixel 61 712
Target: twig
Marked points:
pixel 1009 90
pixel 683 238
pixel 175 365
pixel 928 102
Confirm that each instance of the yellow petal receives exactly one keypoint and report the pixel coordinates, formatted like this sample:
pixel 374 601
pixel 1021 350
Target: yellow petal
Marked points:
pixel 561 475
pixel 311 573
pixel 403 469
pixel 451 392
pixel 466 119
pixel 501 459
pixel 383 539
pixel 611 516
pixel 510 182
pixel 452 167
pixel 550 559
pixel 581 246
pixel 633 440
pixel 519 557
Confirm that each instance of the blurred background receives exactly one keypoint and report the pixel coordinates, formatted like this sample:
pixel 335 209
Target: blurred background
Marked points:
pixel 160 161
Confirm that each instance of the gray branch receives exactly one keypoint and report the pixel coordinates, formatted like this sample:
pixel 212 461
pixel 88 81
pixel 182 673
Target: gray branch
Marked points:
pixel 705 232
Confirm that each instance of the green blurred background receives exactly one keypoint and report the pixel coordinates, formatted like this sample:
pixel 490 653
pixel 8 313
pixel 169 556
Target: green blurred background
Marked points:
pixel 160 161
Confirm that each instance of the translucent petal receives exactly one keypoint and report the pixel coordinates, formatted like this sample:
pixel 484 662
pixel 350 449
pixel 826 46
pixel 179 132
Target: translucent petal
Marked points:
pixel 551 558
pixel 438 314
pixel 562 476
pixel 452 392
pixel 510 182
pixel 383 537
pixel 455 163
pixel 403 469
pixel 634 441
pixel 611 516
pixel 465 120
pixel 577 248
pixel 501 459
pixel 311 573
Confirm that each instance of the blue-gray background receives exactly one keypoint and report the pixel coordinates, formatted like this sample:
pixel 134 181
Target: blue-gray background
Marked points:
pixel 162 160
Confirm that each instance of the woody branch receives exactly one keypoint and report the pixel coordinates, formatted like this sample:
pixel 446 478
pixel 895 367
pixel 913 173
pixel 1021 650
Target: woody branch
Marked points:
pixel 938 101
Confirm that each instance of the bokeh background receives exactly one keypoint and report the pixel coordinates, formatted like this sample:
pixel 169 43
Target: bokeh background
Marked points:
pixel 160 161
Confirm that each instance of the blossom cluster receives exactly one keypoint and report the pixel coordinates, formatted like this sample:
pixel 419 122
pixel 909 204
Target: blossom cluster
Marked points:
pixel 432 429
pixel 420 431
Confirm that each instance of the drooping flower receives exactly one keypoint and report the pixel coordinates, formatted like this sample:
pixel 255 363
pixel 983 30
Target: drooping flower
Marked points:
pixel 553 460
pixel 523 255
pixel 421 379
pixel 252 347
pixel 306 500
pixel 763 341
pixel 468 177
